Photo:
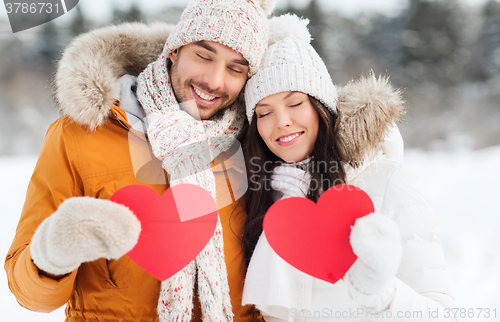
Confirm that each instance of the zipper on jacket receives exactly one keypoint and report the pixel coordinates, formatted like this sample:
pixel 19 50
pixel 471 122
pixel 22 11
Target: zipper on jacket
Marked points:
pixel 123 124
pixel 120 121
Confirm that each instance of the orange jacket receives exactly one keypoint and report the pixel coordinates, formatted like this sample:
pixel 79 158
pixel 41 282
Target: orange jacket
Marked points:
pixel 76 162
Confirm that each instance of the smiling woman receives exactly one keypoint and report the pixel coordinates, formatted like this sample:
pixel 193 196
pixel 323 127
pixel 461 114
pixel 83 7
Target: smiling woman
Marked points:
pixel 288 123
pixel 299 124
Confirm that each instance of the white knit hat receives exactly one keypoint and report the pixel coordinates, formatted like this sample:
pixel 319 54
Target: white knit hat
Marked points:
pixel 290 64
pixel 238 24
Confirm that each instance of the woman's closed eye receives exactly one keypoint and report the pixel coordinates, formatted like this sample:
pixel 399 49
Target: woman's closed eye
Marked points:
pixel 262 114
pixel 296 104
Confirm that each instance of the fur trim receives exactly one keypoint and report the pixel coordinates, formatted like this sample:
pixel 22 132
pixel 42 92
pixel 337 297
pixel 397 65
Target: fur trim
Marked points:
pixel 367 109
pixel 287 25
pixel 93 62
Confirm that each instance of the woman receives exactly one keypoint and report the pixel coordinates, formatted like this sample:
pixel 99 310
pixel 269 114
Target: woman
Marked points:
pixel 303 139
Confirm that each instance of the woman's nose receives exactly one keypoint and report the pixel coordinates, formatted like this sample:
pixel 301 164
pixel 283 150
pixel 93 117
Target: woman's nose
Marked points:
pixel 283 120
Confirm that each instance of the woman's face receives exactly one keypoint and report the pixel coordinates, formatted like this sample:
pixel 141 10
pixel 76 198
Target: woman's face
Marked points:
pixel 288 124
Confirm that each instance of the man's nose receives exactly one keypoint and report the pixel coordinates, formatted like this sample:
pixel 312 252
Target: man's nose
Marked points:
pixel 214 77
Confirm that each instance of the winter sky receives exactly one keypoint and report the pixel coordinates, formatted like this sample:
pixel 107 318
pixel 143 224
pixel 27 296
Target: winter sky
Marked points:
pixel 100 10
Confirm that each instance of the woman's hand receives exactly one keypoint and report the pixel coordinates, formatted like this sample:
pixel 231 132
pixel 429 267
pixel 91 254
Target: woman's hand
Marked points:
pixel 375 239
pixel 291 181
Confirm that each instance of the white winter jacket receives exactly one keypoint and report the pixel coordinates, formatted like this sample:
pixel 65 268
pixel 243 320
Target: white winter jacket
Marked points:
pixel 283 293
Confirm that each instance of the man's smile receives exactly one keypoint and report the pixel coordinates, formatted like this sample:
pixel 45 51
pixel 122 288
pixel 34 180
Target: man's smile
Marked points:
pixel 203 98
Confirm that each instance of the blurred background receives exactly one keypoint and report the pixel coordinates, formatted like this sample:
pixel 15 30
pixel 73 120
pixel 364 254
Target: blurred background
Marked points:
pixel 444 55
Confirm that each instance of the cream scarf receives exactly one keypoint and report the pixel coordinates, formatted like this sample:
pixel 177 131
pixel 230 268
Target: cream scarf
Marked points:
pixel 186 147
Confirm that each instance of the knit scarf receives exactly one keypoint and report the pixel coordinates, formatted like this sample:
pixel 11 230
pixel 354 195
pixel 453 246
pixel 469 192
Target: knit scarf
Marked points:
pixel 186 146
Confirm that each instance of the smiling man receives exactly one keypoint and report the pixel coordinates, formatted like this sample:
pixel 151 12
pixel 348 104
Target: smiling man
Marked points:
pixel 71 239
pixel 207 77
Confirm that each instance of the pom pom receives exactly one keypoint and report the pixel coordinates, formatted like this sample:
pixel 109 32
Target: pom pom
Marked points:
pixel 267 5
pixel 288 25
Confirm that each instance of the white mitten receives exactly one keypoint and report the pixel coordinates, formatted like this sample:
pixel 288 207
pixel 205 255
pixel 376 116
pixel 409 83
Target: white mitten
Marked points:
pixel 83 229
pixel 375 239
pixel 291 181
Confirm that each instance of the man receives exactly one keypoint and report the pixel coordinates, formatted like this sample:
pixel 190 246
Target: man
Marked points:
pixel 70 241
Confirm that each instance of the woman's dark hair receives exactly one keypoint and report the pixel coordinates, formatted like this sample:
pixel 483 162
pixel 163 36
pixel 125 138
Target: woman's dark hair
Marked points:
pixel 325 168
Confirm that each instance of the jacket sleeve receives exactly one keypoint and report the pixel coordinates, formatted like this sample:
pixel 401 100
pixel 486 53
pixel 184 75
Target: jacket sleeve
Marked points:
pixel 422 287
pixel 54 179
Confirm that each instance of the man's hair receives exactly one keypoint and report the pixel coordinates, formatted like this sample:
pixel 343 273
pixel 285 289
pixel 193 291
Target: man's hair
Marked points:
pixel 238 24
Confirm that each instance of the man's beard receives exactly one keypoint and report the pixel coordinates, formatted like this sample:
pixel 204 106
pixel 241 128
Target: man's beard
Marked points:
pixel 182 89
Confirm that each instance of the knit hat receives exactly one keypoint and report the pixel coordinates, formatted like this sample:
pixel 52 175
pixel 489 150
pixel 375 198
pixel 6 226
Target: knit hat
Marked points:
pixel 238 24
pixel 290 64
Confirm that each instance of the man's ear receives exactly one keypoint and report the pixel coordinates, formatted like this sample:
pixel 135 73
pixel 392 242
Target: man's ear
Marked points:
pixel 173 55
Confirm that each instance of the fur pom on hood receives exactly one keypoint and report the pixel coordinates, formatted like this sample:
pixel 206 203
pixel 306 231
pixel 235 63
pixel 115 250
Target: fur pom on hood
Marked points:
pixel 92 64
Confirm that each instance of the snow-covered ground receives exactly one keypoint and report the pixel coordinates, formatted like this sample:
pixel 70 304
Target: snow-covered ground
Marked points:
pixel 15 173
pixel 464 187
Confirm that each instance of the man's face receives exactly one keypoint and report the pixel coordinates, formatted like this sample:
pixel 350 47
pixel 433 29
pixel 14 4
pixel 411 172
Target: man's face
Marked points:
pixel 207 77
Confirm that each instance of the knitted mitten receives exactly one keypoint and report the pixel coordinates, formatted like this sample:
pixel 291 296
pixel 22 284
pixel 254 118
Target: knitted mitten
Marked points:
pixel 375 239
pixel 291 181
pixel 83 229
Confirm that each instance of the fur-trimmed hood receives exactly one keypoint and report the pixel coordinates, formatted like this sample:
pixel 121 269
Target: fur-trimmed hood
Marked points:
pixel 91 65
pixel 368 108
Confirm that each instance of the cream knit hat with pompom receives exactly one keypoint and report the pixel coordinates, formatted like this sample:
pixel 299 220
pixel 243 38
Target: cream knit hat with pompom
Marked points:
pixel 238 24
pixel 290 64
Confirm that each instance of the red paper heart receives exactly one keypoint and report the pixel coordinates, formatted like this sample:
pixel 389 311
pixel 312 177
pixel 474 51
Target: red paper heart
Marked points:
pixel 167 243
pixel 314 237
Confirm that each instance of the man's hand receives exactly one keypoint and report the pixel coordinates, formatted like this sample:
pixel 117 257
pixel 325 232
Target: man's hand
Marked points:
pixel 83 229
pixel 375 239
